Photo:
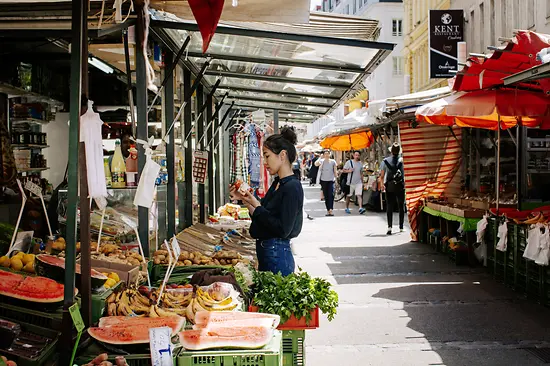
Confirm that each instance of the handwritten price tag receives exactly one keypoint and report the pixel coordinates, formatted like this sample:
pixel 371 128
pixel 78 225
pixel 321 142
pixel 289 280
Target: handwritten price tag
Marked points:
pixel 161 346
pixel 33 188
pixel 77 317
pixel 176 248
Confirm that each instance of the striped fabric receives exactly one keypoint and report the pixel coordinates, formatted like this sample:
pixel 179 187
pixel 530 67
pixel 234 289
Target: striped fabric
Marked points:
pixel 431 157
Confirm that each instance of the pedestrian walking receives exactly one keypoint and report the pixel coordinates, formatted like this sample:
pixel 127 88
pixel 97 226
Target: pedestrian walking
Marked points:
pixel 313 170
pixel 326 176
pixel 279 216
pixel 392 179
pixel 354 170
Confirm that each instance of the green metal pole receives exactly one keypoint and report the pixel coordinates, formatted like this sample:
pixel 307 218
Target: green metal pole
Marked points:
pixel 78 19
pixel 199 146
pixel 141 103
pixel 187 121
pixel 168 101
pixel 211 204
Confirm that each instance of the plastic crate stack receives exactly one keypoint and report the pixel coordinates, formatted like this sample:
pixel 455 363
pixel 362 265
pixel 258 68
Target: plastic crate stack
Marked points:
pixel 294 352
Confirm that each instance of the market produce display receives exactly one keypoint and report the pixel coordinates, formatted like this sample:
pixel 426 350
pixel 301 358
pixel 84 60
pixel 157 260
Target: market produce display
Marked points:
pixel 33 289
pixel 102 360
pixel 297 294
pixel 234 337
pixel 112 252
pixel 19 262
pixel 54 267
pixel 220 258
pixel 133 330
pixel 204 301
pixel 8 362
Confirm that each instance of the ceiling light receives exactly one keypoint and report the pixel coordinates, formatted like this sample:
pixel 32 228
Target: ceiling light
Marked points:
pixel 100 65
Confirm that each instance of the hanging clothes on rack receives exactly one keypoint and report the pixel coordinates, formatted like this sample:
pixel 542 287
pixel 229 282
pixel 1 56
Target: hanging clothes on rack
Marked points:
pixel 255 156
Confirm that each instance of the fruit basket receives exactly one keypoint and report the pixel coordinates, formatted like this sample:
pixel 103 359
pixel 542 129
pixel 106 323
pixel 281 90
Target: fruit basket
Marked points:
pixel 296 324
pixel 270 355
pixel 294 350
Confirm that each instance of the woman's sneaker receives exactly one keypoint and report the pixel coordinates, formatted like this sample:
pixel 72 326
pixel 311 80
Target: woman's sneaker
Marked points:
pixel 389 231
pixel 362 211
pixel 348 211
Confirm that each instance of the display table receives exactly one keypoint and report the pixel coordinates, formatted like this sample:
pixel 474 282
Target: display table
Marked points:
pixel 468 224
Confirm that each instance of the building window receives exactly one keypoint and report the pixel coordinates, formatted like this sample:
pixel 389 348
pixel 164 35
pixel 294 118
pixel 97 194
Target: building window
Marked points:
pixel 354 7
pixel 397 27
pixel 530 13
pixel 548 8
pixel 482 27
pixel 398 65
pixel 492 29
pixel 347 10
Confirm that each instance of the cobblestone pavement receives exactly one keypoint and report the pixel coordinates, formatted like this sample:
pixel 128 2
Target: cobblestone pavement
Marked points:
pixel 403 304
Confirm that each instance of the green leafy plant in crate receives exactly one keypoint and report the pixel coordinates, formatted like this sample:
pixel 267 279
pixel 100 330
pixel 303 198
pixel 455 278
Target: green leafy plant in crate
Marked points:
pixel 297 294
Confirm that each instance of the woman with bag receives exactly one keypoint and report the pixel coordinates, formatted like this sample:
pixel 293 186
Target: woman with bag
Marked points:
pixel 392 178
pixel 278 217
pixel 326 176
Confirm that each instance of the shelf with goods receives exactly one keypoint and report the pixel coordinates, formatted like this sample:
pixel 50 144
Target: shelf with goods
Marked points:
pixel 536 167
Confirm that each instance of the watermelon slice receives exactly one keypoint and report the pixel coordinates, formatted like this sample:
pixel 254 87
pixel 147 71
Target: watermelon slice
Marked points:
pixel 54 267
pixel 132 330
pixel 33 289
pixel 226 337
pixel 206 318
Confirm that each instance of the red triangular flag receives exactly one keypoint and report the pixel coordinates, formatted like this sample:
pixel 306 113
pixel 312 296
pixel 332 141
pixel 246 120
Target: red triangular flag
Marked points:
pixel 207 13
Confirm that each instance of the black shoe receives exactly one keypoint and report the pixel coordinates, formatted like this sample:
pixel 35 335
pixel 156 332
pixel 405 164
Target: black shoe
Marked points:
pixel 309 217
pixel 388 232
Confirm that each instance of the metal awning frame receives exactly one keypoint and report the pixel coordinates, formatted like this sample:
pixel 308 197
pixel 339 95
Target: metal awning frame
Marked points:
pixel 349 88
pixel 535 73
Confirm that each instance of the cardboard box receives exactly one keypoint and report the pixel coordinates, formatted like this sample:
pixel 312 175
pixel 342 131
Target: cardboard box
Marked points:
pixel 480 205
pixel 127 273
pixel 456 201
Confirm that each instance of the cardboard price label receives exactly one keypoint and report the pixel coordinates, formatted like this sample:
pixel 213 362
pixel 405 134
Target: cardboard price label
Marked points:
pixel 161 346
pixel 33 188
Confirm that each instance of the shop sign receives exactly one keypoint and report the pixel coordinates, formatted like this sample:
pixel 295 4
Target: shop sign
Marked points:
pixel 446 29
pixel 200 165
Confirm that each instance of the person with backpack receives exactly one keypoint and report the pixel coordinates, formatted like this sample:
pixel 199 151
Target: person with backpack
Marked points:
pixel 354 182
pixel 392 178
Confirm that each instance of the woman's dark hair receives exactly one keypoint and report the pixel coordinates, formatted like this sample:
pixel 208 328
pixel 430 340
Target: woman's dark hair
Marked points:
pixel 283 141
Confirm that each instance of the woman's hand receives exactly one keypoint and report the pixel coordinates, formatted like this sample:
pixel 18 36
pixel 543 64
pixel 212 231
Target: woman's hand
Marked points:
pixel 250 200
pixel 234 194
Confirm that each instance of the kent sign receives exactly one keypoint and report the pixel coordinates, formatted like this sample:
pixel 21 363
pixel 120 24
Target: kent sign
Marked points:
pixel 446 30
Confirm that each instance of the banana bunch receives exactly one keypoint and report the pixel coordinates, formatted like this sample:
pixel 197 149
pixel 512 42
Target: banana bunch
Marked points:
pixel 539 217
pixel 202 301
pixel 127 302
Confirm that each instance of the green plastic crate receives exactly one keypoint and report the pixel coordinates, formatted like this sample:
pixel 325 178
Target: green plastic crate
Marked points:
pixel 99 302
pixel 48 353
pixel 270 355
pixel 294 350
pixel 38 318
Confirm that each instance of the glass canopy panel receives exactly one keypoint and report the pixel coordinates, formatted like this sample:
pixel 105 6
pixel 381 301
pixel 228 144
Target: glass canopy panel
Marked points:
pixel 279 106
pixel 259 94
pixel 275 86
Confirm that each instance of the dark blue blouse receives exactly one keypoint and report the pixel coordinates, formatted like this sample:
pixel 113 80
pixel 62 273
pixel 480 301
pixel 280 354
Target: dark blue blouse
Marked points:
pixel 281 212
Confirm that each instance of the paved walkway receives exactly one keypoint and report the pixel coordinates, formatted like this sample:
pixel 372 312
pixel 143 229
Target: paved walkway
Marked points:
pixel 402 304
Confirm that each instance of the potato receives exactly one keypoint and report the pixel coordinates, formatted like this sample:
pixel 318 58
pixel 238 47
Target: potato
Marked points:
pixel 156 260
pixel 216 262
pixel 161 257
pixel 223 262
pixel 160 252
pixel 196 261
pixel 204 261
pixel 234 261
pixel 187 262
pixel 191 256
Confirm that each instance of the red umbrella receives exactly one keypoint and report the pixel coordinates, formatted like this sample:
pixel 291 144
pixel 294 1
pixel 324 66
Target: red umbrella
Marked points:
pixel 207 13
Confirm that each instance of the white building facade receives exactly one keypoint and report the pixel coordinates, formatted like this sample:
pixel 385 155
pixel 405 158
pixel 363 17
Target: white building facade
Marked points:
pixel 488 20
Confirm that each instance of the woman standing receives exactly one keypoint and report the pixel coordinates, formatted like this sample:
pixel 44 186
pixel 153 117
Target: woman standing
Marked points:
pixel 278 217
pixel 326 175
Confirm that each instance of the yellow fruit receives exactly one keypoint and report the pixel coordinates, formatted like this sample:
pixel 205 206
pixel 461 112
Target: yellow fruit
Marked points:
pixel 16 264
pixel 114 276
pixel 5 262
pixel 105 274
pixel 19 255
pixel 28 258
pixel 110 283
pixel 29 267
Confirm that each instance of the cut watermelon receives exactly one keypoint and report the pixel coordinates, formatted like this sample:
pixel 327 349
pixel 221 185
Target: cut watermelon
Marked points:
pixel 226 337
pixel 33 289
pixel 173 322
pixel 132 330
pixel 54 267
pixel 204 318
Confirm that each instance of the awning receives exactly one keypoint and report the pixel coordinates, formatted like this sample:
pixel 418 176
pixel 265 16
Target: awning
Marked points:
pixel 353 141
pixel 535 73
pixel 303 71
pixel 484 108
pixel 518 55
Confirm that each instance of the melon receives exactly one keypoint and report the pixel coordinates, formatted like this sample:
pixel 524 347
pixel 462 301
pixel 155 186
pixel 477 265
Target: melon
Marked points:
pixel 204 318
pixel 54 267
pixel 33 289
pixel 226 337
pixel 132 330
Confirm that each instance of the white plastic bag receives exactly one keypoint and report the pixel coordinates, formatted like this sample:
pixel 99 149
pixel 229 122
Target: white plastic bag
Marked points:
pixel 90 134
pixel 502 235
pixel 544 246
pixel 533 243
pixel 480 231
pixel 146 188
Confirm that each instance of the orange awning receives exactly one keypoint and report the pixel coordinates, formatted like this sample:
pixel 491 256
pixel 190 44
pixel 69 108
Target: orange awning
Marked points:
pixel 352 141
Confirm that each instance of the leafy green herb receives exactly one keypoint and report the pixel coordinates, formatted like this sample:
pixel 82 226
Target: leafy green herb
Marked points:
pixel 296 294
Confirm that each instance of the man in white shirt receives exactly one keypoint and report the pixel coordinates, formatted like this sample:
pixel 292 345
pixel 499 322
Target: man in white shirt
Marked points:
pixel 354 169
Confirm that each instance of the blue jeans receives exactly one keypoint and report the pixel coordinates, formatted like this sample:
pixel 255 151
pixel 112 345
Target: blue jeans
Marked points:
pixel 275 255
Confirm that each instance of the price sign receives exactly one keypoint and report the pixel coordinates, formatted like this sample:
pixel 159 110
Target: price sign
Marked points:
pixel 161 346
pixel 33 188
pixel 176 248
pixel 77 317
pixel 200 165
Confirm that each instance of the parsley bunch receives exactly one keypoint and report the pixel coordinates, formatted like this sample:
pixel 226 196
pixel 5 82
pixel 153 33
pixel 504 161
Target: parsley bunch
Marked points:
pixel 296 294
